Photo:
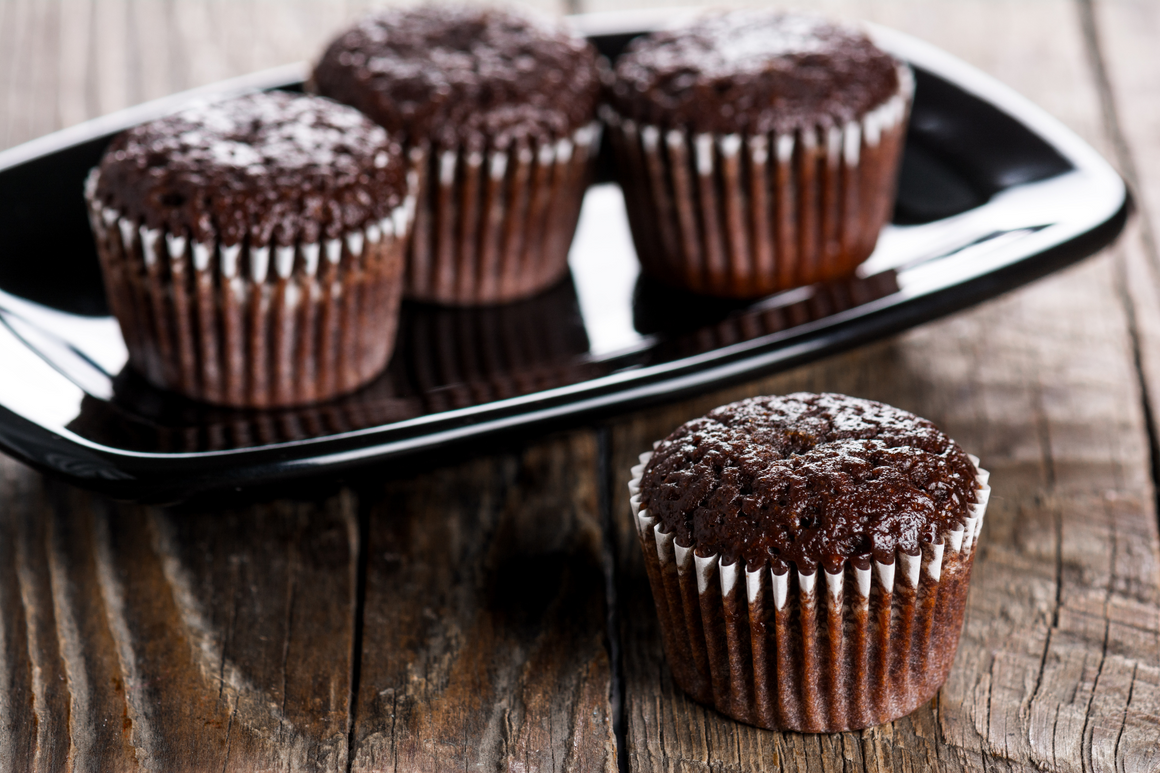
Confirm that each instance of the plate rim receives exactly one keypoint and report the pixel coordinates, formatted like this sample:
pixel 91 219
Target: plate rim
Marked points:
pixel 140 475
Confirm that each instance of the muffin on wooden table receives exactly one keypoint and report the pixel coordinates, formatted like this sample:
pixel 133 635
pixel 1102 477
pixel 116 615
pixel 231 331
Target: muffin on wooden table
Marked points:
pixel 809 557
pixel 252 249
pixel 498 111
pixel 757 150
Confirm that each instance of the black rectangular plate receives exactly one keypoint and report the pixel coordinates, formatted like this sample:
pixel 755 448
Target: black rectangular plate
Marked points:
pixel 993 194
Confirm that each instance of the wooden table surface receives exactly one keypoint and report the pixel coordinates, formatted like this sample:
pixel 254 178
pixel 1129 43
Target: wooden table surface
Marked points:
pixel 494 614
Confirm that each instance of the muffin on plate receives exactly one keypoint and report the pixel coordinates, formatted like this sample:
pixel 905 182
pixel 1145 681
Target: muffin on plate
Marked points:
pixel 252 249
pixel 498 111
pixel 758 150
pixel 809 557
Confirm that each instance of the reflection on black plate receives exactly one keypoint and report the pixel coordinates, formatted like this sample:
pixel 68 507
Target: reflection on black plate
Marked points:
pixel 689 325
pixel 450 358
pixel 459 357
pixel 141 417
pixel 993 193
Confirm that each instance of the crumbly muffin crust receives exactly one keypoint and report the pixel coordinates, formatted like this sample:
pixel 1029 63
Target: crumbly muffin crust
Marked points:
pixel 270 167
pixel 752 71
pixel 808 479
pixel 454 74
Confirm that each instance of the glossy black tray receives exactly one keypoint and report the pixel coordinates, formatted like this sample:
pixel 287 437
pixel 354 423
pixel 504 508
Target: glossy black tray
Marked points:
pixel 993 194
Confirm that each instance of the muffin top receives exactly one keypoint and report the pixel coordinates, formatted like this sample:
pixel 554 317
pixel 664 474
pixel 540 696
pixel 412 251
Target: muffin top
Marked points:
pixel 271 167
pixel 808 480
pixel 452 74
pixel 752 71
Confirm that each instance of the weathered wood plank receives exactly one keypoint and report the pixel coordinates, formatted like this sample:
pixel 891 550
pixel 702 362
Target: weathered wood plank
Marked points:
pixel 178 640
pixel 266 603
pixel 110 52
pixel 11 99
pixel 223 641
pixel 98 721
pixel 225 665
pixel 1122 37
pixel 1118 31
pixel 71 50
pixel 49 689
pixel 1064 606
pixel 483 633
pixel 1059 663
pixel 1061 630
pixel 144 638
pixel 1126 31
pixel 20 723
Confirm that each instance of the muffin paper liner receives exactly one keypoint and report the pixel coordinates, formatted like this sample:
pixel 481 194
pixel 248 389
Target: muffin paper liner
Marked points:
pixel 254 326
pixel 747 215
pixel 809 653
pixel 495 225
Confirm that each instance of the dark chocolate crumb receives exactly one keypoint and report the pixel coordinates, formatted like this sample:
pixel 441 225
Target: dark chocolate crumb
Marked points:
pixel 808 479
pixel 460 74
pixel 752 71
pixel 270 166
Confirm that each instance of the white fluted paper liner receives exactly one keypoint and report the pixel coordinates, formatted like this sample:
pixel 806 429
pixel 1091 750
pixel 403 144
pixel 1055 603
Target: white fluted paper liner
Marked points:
pixel 795 651
pixel 748 215
pixel 254 325
pixel 495 225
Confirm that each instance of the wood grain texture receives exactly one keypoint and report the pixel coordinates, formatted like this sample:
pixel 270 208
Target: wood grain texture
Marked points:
pixel 64 61
pixel 1057 667
pixel 17 726
pixel 1065 602
pixel 261 606
pixel 179 641
pixel 143 638
pixel 33 720
pixel 137 638
pixel 483 640
pixel 109 648
pixel 1121 37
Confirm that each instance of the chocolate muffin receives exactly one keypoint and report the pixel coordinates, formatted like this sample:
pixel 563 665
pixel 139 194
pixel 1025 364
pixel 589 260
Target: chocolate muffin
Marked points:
pixel 809 557
pixel 252 249
pixel 758 150
pixel 498 112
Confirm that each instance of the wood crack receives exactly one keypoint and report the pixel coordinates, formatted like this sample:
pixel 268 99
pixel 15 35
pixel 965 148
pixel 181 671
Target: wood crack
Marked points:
pixel 605 499
pixel 288 626
pixel 359 561
pixel 1126 161
pixel 50 692
pixel 975 372
pixel 1088 745
pixel 229 736
pixel 235 587
pixel 1085 733
pixel 1044 432
pixel 1124 718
